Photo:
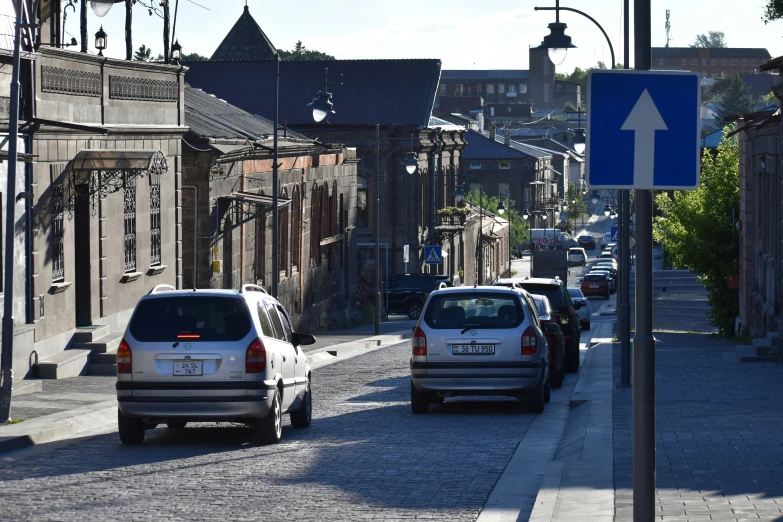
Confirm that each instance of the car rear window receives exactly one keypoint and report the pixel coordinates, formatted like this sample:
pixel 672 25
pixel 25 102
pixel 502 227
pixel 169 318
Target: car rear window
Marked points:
pixel 196 318
pixel 541 305
pixel 553 292
pixel 575 251
pixel 474 310
pixel 595 277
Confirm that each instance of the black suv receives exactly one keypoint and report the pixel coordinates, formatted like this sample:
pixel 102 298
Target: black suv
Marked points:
pixel 587 242
pixel 406 293
pixel 565 313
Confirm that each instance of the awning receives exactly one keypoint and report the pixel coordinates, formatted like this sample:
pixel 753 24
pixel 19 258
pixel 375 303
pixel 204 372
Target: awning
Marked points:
pixel 556 171
pixel 262 203
pixel 486 237
pixel 225 148
pixel 138 161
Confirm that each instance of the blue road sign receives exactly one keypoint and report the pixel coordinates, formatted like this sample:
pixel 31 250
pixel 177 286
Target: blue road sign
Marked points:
pixel 643 130
pixel 564 215
pixel 433 255
pixel 614 233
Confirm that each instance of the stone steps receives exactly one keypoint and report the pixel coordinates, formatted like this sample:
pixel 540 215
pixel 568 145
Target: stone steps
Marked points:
pixel 65 364
pixel 93 351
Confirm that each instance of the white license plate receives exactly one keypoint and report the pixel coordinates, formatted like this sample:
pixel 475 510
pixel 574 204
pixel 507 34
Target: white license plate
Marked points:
pixel 188 368
pixel 473 349
pixel 593 286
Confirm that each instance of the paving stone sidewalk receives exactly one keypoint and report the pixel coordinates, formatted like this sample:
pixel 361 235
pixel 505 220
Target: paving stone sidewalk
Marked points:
pixel 718 442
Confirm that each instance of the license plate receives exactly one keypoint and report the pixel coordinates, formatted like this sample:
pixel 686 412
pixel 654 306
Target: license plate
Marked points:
pixel 188 368
pixel 473 349
pixel 593 286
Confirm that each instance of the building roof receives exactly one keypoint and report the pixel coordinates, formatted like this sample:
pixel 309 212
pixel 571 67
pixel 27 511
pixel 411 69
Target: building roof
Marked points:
pixel 712 140
pixel 209 117
pixel 715 52
pixel 496 74
pixel 760 84
pixel 245 41
pixel 481 146
pixel 446 125
pixel 385 92
pixel 550 144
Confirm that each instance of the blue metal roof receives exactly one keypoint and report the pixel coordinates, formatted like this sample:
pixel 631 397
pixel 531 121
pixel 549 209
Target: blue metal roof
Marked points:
pixel 712 140
pixel 480 146
pixel 496 74
pixel 386 92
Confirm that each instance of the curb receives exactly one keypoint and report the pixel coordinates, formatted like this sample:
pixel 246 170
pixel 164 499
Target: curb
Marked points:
pixel 344 351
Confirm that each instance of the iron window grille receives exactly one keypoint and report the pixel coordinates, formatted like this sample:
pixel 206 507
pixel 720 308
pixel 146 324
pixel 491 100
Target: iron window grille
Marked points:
pixel 129 211
pixel 58 234
pixel 155 239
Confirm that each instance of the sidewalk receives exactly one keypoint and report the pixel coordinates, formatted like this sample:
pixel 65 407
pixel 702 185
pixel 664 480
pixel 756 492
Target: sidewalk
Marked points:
pixel 66 407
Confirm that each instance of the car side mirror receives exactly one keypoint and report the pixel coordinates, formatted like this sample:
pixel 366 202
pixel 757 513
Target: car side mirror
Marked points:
pixel 302 339
pixel 577 305
pixel 551 328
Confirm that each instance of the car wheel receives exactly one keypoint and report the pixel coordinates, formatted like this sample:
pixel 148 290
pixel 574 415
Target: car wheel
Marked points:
pixel 548 387
pixel 556 376
pixel 537 397
pixel 420 401
pixel 176 424
pixel 587 325
pixel 131 430
pixel 607 295
pixel 571 360
pixel 302 417
pixel 436 399
pixel 269 430
pixel 414 310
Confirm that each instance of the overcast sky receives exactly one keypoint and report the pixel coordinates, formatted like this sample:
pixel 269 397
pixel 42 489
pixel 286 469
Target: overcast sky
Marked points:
pixel 464 34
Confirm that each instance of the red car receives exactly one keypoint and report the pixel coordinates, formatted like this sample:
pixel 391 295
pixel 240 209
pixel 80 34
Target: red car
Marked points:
pixel 596 285
pixel 554 339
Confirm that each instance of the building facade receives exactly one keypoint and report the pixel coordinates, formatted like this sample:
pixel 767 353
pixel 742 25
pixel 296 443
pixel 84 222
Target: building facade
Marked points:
pixel 709 62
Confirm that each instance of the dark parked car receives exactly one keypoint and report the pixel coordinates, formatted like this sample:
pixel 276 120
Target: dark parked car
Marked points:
pixel 554 338
pixel 586 242
pixel 596 285
pixel 407 293
pixel 565 313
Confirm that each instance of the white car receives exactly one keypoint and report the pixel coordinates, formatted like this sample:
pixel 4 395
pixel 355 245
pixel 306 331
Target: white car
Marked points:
pixel 584 311
pixel 212 356
pixel 577 256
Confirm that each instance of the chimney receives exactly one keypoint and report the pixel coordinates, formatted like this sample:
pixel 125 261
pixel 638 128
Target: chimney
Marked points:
pixel 507 137
pixel 492 132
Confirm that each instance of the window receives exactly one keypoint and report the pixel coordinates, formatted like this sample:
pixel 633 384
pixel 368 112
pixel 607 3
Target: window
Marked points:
pixel 277 325
pixel 155 228
pixel 713 75
pixel 58 234
pixel 512 88
pixel 693 61
pixel 490 89
pixel 744 62
pixel 753 63
pixel 684 62
pixel 723 62
pixel 502 87
pixel 129 212
pixel 503 190
pixel 660 61
pixel 324 220
pixel 763 62
pixel 282 250
pixel 704 62
pixel 475 165
pixel 527 198
pixel 734 63
pixel 522 88
pixel 458 89
pixel 261 248
pixel 315 213
pixel 266 324
pixel 703 75
pixel 286 325
pixel 442 89
pixel 296 230
pixel 492 111
pixel 504 165
pixel 361 201
pixel 479 88
pixel 722 74
pixel 713 62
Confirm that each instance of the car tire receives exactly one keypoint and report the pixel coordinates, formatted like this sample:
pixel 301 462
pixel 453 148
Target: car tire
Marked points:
pixel 269 430
pixel 548 387
pixel 176 424
pixel 131 430
pixel 436 399
pixel 420 401
pixel 414 310
pixel 556 377
pixel 303 417
pixel 587 326
pixel 571 361
pixel 608 295
pixel 537 397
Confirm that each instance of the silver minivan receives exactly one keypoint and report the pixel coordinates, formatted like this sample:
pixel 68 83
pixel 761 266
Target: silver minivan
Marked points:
pixel 484 340
pixel 212 356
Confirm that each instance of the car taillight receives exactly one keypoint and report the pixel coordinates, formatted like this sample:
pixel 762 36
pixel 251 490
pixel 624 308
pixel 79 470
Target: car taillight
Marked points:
pixel 255 357
pixel 124 357
pixel 529 341
pixel 419 342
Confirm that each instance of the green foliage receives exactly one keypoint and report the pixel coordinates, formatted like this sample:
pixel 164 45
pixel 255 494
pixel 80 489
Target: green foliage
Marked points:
pixel 569 108
pixel 576 205
pixel 143 54
pixel 711 39
pixel 302 54
pixel 773 11
pixel 194 57
pixel 697 231
pixel 519 227
pixel 733 96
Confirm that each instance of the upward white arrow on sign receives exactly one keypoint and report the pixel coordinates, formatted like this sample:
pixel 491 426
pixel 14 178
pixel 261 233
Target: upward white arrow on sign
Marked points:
pixel 645 120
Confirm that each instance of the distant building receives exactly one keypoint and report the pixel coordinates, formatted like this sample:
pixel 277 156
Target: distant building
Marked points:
pixel 709 62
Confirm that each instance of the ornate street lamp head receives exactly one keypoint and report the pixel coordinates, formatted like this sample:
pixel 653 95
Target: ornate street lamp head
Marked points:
pixel 322 106
pixel 557 43
pixel 411 162
pixel 101 7
pixel 101 40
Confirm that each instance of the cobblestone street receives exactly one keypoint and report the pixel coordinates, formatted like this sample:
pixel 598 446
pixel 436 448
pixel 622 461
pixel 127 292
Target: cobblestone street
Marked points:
pixel 364 457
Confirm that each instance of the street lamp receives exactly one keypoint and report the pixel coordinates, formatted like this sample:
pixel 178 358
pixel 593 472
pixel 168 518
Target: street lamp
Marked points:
pixel 501 208
pixel 176 52
pixel 607 210
pixel 100 40
pixel 595 197
pixel 579 141
pixel 411 162
pixel 322 106
pixel 557 42
pixel 101 7
pixel 458 193
pixel 525 214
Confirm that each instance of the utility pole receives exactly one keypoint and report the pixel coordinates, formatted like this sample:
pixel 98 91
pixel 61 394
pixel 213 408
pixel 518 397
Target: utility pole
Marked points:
pixel 624 308
pixel 643 343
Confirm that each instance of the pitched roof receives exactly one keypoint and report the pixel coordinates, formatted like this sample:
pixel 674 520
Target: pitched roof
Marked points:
pixel 210 117
pixel 714 52
pixel 760 84
pixel 386 92
pixel 245 41
pixel 481 146
pixel 496 74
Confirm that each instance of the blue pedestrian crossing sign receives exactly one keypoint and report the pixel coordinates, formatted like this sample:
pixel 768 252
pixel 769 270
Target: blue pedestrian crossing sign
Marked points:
pixel 433 255
pixel 614 233
pixel 643 130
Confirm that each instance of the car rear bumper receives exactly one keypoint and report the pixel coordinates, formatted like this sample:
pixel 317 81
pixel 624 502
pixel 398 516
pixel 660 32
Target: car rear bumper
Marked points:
pixel 594 292
pixel 458 378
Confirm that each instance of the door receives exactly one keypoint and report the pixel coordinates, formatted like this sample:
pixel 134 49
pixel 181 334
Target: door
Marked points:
pixel 300 359
pixel 82 287
pixel 287 353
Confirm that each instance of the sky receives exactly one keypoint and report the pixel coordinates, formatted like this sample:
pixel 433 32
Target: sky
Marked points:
pixel 464 34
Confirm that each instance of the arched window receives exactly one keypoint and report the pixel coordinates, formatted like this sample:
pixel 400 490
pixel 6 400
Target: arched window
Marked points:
pixel 284 236
pixel 324 219
pixel 296 241
pixel 261 247
pixel 315 226
pixel 361 201
pixel 341 229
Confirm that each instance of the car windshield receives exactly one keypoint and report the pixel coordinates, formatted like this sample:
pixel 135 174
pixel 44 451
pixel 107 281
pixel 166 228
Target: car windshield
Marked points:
pixel 575 292
pixel 595 277
pixel 191 317
pixel 474 310
pixel 552 292
pixel 573 251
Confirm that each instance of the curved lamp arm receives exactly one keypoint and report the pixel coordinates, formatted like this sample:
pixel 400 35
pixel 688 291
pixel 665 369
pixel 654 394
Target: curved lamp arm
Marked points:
pixel 577 11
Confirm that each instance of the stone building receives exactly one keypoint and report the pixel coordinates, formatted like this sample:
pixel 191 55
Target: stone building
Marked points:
pixel 227 164
pixel 710 62
pixel 98 216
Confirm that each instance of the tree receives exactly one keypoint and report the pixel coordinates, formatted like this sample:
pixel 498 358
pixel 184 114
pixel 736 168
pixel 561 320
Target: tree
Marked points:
pixel 711 39
pixel 697 230
pixel 144 54
pixel 576 205
pixel 734 97
pixel 194 57
pixel 519 227
pixel 773 11
pixel 302 54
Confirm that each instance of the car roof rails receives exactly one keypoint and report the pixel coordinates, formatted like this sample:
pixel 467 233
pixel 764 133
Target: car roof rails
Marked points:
pixel 252 288
pixel 162 288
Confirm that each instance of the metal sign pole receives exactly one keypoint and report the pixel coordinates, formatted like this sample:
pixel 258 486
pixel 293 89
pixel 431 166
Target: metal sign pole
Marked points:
pixel 643 343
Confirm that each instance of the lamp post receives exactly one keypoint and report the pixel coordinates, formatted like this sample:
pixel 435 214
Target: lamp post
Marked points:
pixel 501 211
pixel 101 41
